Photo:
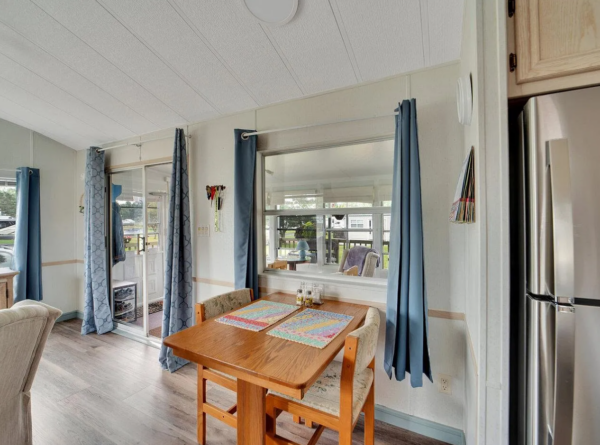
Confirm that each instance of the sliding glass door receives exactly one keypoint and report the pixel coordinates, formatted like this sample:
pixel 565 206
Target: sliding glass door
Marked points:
pixel 138 214
pixel 158 179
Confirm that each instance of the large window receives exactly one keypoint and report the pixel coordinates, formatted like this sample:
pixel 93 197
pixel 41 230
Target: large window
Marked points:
pixel 8 214
pixel 319 204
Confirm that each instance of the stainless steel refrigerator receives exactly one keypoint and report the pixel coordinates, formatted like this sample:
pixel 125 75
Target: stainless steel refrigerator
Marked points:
pixel 558 262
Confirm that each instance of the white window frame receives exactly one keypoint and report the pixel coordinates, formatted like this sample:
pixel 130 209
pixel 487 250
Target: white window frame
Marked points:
pixel 261 214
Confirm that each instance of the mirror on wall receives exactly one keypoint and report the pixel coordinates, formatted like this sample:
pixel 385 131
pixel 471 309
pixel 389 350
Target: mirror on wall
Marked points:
pixel 327 211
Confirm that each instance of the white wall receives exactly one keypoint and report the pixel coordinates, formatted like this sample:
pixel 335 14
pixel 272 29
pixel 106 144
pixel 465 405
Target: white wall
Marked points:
pixel 442 150
pixel 21 147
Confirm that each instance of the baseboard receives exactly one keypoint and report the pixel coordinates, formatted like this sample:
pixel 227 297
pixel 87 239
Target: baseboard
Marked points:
pixel 427 428
pixel 68 316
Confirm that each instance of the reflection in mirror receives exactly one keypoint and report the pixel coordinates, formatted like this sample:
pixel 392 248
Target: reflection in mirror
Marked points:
pixel 127 235
pixel 328 210
pixel 131 206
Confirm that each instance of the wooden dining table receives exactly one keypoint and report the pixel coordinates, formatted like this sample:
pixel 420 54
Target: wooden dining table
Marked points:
pixel 261 362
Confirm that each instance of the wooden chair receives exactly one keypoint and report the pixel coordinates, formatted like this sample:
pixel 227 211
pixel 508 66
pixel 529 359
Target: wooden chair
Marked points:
pixel 210 308
pixel 353 271
pixel 279 264
pixel 339 395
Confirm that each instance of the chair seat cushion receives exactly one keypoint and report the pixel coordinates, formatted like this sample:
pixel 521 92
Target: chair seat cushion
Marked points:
pixel 324 394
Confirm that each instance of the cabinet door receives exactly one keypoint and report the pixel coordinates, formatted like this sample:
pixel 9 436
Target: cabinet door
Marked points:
pixel 555 38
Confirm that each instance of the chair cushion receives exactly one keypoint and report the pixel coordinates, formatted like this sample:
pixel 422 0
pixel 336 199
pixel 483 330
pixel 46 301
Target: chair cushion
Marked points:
pixel 367 336
pixel 226 302
pixel 324 394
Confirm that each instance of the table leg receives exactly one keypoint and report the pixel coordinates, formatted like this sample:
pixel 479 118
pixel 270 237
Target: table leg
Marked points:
pixel 251 413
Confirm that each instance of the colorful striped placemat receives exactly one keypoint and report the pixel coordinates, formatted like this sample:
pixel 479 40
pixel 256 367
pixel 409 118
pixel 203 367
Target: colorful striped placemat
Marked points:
pixel 257 316
pixel 312 327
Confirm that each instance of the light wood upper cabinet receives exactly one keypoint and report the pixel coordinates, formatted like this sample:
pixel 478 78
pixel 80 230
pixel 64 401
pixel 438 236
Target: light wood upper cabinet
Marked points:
pixel 556 38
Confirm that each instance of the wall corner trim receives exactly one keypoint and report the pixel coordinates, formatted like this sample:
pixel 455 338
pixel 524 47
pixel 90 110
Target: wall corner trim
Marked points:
pixel 417 425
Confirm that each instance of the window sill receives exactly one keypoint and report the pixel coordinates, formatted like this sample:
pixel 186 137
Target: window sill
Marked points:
pixel 341 280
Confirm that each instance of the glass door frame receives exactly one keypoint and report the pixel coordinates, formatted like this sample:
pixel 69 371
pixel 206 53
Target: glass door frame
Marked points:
pixel 124 328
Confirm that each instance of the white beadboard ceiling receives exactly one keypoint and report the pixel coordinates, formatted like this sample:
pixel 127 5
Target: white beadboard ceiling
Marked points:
pixel 88 72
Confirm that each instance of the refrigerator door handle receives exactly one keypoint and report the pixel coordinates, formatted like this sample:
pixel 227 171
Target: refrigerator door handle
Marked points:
pixel 564 375
pixel 563 287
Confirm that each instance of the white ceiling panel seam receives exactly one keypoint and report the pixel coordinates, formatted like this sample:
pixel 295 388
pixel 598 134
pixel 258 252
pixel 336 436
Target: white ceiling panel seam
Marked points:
pixel 115 65
pixel 19 72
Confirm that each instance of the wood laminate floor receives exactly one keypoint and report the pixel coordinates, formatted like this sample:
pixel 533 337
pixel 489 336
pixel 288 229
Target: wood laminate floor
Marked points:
pixel 109 390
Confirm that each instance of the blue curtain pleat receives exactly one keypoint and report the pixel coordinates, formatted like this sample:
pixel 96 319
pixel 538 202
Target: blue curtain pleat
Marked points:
pixel 244 230
pixel 179 299
pixel 28 237
pixel 96 311
pixel 406 346
pixel 97 316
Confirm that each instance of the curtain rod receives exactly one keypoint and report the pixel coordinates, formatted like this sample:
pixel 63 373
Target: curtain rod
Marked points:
pixel 277 130
pixel 137 144
pixel 256 133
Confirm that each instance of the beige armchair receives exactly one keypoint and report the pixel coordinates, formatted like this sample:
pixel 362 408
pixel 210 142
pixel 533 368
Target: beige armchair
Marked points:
pixel 369 266
pixel 24 329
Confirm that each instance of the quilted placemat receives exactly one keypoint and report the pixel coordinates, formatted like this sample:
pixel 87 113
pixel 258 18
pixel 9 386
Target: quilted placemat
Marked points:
pixel 312 327
pixel 257 316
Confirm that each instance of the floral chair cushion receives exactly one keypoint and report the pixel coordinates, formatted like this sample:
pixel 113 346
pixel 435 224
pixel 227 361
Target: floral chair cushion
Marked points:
pixel 367 335
pixel 324 394
pixel 226 302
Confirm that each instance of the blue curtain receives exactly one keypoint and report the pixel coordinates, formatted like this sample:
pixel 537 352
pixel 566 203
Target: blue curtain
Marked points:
pixel 244 230
pixel 96 311
pixel 179 299
pixel 118 235
pixel 406 347
pixel 28 239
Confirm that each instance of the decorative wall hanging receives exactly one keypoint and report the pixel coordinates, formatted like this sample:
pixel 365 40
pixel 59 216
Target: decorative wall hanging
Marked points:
pixel 463 207
pixel 215 194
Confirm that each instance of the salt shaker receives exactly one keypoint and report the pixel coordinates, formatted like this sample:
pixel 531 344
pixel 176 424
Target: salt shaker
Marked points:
pixel 317 296
pixel 316 293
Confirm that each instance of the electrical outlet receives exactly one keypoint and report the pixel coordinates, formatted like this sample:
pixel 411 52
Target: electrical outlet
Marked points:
pixel 203 230
pixel 445 383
